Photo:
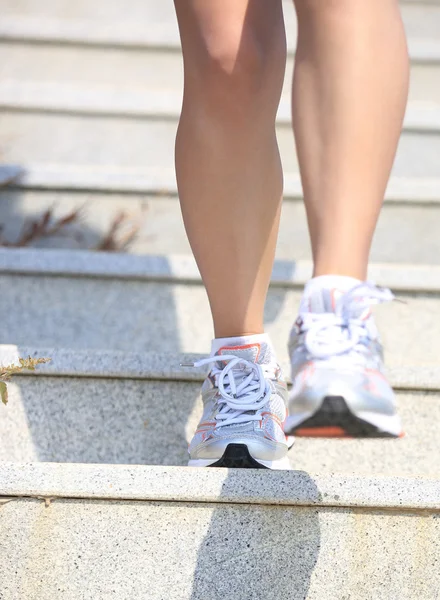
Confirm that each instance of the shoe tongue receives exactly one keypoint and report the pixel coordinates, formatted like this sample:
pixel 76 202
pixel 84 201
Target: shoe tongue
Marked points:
pixel 324 301
pixel 250 352
pixel 327 301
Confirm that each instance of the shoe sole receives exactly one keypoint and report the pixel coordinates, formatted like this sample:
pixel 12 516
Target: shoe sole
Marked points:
pixel 334 419
pixel 237 456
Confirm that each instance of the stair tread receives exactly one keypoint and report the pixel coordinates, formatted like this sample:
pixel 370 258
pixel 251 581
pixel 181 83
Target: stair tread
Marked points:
pixel 293 488
pixel 182 268
pixel 156 68
pixel 143 101
pixel 151 421
pixel 166 366
pixel 161 181
pixel 406 232
pixel 161 30
pixel 94 141
pixel 138 313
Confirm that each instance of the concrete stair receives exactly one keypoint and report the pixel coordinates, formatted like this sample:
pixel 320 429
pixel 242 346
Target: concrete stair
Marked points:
pixel 407 231
pixel 89 96
pixel 123 103
pixel 96 406
pixel 157 532
pixel 76 299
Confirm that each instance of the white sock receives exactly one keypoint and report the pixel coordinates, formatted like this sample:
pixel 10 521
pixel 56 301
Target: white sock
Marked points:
pixel 326 282
pixel 242 340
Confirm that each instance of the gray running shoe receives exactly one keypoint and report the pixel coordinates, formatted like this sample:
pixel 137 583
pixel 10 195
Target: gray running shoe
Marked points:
pixel 339 386
pixel 245 407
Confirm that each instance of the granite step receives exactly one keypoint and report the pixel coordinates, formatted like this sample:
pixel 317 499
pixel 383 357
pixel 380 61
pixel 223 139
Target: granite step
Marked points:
pixel 58 19
pixel 142 408
pixel 79 299
pixel 407 232
pixel 96 141
pixel 109 530
pixel 137 101
pixel 112 178
pixel 154 67
pixel 88 531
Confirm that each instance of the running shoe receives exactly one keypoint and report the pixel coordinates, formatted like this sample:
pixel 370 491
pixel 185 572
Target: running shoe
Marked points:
pixel 339 385
pixel 245 408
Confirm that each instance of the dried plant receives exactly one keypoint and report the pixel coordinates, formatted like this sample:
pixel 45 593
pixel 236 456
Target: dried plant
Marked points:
pixel 117 239
pixel 122 231
pixel 42 227
pixel 28 364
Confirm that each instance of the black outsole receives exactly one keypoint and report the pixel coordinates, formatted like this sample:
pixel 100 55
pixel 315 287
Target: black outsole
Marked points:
pixel 237 456
pixel 334 412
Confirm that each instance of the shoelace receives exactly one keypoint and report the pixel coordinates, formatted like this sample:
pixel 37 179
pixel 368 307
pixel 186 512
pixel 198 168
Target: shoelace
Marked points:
pixel 335 334
pixel 236 399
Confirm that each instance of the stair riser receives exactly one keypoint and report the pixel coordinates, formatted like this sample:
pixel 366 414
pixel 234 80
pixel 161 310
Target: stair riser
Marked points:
pixel 89 67
pixel 133 316
pixel 421 19
pixel 98 549
pixel 98 420
pixel 138 142
pixel 406 234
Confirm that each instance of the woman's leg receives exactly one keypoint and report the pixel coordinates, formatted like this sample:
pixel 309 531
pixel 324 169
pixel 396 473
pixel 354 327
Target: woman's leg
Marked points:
pixel 349 95
pixel 227 161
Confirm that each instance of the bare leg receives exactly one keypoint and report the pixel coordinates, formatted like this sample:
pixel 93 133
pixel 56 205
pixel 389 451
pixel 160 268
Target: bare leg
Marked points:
pixel 227 161
pixel 349 96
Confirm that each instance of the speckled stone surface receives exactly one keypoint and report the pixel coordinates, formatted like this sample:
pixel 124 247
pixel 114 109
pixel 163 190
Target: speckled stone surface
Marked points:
pixel 91 420
pixel 168 366
pixel 398 223
pixel 133 316
pixel 110 364
pixel 147 180
pixel 96 140
pixel 248 486
pixel 85 550
pixel 421 20
pixel 419 275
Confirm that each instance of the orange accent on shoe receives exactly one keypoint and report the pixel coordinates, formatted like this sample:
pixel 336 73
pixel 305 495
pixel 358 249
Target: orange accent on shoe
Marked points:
pixel 274 417
pixel 245 347
pixel 329 432
pixel 378 373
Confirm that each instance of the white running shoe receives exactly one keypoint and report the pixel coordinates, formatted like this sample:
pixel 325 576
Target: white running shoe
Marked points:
pixel 340 389
pixel 245 407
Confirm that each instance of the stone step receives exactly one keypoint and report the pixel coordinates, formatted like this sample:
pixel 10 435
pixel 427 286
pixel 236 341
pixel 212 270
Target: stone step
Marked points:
pixel 111 178
pixel 144 102
pixel 100 23
pixel 88 531
pixel 156 68
pixel 82 299
pixel 96 141
pixel 142 408
pixel 406 233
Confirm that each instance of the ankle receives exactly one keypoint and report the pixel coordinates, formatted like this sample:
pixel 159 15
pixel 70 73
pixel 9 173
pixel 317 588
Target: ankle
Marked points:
pixel 241 341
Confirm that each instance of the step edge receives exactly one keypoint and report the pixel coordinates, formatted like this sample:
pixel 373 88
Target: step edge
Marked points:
pixel 184 484
pixel 162 181
pixel 180 268
pixel 160 366
pixel 81 32
pixel 107 101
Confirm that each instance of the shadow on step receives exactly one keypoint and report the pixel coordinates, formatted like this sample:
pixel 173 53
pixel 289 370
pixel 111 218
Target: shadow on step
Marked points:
pixel 259 551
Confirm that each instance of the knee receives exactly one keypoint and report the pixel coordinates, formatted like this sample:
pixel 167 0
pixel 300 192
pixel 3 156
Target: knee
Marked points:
pixel 232 69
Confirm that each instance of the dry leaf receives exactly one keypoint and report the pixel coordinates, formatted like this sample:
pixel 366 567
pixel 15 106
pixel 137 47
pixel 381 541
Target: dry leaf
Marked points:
pixel 4 392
